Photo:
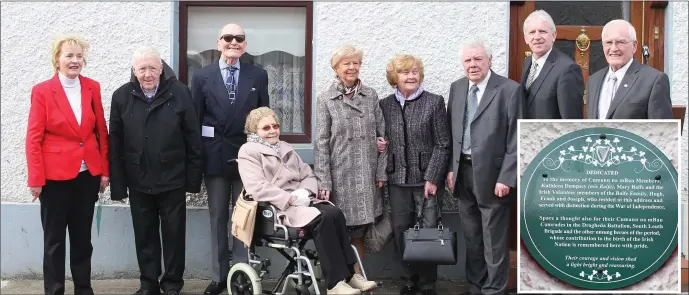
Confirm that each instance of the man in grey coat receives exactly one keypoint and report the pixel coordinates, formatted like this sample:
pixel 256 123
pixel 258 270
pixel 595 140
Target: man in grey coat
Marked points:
pixel 483 110
pixel 626 89
pixel 553 82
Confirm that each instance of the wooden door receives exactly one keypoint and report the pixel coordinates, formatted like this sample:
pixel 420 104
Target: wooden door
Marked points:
pixel 579 25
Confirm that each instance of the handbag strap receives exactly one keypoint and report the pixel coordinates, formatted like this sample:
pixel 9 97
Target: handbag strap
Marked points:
pixel 419 214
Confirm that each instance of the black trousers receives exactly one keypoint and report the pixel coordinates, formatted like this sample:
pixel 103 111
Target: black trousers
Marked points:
pixel 152 215
pixel 405 203
pixel 334 247
pixel 69 205
pixel 485 222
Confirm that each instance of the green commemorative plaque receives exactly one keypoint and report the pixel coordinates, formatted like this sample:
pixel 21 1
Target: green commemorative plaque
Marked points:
pixel 599 208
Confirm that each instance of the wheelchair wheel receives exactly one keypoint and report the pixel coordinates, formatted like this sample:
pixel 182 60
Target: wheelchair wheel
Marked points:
pixel 243 280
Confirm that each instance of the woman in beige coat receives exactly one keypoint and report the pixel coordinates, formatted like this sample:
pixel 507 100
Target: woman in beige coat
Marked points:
pixel 347 161
pixel 293 194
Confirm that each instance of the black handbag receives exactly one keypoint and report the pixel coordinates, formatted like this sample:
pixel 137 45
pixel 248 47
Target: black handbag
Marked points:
pixel 437 246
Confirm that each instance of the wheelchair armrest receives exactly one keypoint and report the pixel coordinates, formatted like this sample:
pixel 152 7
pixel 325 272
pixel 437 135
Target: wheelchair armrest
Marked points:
pixel 277 224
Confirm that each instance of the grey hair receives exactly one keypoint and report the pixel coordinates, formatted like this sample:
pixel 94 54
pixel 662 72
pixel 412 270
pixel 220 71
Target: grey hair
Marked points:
pixel 630 29
pixel 144 51
pixel 476 43
pixel 540 15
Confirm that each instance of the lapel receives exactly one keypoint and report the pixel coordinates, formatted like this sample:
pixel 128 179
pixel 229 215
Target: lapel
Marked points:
pixel 86 104
pixel 246 81
pixel 460 101
pixel 547 66
pixel 488 95
pixel 63 103
pixel 525 70
pixel 218 88
pixel 356 100
pixel 285 149
pixel 593 93
pixel 623 88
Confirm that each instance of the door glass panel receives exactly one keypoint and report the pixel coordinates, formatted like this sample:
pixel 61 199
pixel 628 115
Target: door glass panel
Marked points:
pixel 585 13
pixel 566 46
pixel 596 57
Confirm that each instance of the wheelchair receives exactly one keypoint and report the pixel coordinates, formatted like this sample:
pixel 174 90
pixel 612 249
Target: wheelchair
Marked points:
pixel 303 270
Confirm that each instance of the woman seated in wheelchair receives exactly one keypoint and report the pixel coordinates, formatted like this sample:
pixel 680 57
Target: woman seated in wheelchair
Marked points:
pixel 293 193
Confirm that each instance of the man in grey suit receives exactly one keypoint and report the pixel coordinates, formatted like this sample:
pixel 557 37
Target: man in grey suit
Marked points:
pixel 626 89
pixel 483 109
pixel 553 83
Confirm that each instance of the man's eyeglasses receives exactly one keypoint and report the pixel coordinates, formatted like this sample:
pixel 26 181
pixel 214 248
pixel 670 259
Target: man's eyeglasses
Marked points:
pixel 617 43
pixel 274 126
pixel 228 38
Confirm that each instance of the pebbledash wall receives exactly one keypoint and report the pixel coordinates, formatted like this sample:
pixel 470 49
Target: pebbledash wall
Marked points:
pixel 114 30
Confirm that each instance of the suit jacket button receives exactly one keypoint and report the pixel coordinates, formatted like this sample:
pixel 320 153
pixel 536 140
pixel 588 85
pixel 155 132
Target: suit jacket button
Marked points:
pixel 361 115
pixel 81 144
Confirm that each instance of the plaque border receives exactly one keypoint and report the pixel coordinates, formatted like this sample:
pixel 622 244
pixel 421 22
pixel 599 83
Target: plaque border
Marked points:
pixel 584 132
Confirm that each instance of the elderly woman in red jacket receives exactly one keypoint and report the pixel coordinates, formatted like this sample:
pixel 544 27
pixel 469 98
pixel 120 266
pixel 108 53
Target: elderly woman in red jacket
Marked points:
pixel 66 152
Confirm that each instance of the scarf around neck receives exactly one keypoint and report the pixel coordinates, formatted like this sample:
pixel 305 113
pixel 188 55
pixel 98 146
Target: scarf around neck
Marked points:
pixel 342 88
pixel 253 137
pixel 400 97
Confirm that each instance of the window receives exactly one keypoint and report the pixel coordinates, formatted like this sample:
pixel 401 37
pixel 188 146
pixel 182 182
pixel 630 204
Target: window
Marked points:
pixel 279 36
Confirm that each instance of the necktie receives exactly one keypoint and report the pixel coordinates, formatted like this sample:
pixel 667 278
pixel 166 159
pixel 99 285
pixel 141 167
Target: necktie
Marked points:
pixel 604 104
pixel 230 85
pixel 532 74
pixel 472 103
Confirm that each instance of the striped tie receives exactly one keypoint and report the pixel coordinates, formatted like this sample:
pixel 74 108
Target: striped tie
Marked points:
pixel 472 104
pixel 532 74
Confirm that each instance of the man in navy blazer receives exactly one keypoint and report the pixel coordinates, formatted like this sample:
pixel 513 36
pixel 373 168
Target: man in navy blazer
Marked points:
pixel 224 93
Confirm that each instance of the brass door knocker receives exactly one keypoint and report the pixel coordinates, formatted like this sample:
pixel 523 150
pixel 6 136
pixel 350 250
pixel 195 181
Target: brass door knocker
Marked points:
pixel 583 42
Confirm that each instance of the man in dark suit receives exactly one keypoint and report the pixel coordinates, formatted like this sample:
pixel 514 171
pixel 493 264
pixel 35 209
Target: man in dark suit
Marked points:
pixel 224 93
pixel 626 89
pixel 553 83
pixel 155 157
pixel 483 110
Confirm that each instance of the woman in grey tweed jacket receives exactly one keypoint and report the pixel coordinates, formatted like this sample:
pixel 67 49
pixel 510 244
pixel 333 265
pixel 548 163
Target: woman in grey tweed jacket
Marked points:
pixel 348 165
pixel 418 155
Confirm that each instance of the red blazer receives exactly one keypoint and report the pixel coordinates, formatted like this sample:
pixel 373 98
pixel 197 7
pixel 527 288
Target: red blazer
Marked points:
pixel 55 143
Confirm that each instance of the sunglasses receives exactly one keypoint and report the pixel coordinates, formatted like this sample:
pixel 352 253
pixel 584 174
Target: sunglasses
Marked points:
pixel 274 126
pixel 228 38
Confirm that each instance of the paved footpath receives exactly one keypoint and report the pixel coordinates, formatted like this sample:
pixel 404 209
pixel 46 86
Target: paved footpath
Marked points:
pixel 195 287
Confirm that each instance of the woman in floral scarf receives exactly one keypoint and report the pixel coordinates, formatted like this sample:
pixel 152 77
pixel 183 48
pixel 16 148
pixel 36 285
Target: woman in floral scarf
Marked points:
pixel 347 162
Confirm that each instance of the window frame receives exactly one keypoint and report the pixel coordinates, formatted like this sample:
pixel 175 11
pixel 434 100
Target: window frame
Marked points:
pixel 308 50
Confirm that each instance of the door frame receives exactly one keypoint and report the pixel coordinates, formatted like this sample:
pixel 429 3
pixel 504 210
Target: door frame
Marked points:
pixel 647 17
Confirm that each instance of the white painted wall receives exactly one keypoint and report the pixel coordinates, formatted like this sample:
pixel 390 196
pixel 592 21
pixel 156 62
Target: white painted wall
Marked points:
pixel 113 31
pixel 428 30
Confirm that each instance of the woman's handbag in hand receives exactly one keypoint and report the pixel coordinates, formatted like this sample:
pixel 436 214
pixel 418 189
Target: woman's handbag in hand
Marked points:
pixel 244 215
pixel 435 245
pixel 379 234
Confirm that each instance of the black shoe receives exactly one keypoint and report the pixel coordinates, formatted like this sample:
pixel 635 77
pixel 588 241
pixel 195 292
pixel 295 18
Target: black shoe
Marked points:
pixel 143 291
pixel 172 292
pixel 215 288
pixel 408 290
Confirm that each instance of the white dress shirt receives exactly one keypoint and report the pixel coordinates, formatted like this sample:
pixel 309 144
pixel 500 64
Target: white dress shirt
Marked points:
pixel 606 92
pixel 540 61
pixel 72 89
